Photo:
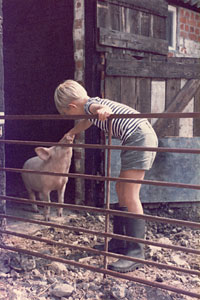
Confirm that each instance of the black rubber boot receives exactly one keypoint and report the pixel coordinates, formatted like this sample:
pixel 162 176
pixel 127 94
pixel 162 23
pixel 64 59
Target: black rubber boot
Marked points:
pixel 115 245
pixel 134 228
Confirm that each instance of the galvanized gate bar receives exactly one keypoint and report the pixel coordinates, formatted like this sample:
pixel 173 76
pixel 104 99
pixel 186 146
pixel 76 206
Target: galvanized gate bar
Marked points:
pixel 103 271
pixel 106 211
pixel 113 116
pixel 150 218
pixel 103 147
pixel 94 251
pixel 107 217
pixel 103 234
pixel 106 178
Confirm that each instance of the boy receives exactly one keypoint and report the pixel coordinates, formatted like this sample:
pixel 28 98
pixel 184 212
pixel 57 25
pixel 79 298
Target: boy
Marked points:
pixel 72 99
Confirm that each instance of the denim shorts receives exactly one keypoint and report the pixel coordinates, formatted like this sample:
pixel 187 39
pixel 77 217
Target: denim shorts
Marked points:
pixel 144 136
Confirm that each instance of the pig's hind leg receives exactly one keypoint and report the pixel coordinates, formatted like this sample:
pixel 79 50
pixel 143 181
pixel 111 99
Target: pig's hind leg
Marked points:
pixel 46 197
pixel 61 193
pixel 33 198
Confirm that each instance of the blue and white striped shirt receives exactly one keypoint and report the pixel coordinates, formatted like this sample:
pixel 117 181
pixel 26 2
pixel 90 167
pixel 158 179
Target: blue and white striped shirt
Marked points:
pixel 121 128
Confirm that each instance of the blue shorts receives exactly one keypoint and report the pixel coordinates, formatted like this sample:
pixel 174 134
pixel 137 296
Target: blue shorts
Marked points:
pixel 144 136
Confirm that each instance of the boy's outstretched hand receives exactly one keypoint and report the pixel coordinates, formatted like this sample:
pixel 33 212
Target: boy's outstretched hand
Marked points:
pixel 67 138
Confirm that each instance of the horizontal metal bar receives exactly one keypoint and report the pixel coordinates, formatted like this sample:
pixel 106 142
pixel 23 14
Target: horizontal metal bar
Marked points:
pixel 103 234
pixel 103 147
pixel 105 178
pixel 194 225
pixel 113 116
pixel 102 271
pixel 94 251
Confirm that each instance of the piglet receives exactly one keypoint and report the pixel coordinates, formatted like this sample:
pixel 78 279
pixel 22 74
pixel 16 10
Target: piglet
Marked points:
pixel 53 159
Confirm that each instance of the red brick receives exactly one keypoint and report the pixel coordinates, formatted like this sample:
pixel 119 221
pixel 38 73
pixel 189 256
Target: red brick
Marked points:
pixel 192 16
pixel 79 64
pixel 198 24
pixel 183 20
pixel 187 14
pixel 191 29
pixel 192 22
pixel 197 31
pixel 78 24
pixel 192 37
pixel 170 54
pixel 79 44
pixel 197 17
pixel 183 34
pixel 182 12
pixel 186 28
pixel 182 26
pixel 199 39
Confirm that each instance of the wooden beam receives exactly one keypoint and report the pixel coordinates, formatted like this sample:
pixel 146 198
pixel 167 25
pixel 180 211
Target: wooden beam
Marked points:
pixel 115 38
pixel 157 7
pixel 154 69
pixel 178 103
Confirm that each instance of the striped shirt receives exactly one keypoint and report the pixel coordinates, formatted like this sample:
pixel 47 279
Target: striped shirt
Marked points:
pixel 121 128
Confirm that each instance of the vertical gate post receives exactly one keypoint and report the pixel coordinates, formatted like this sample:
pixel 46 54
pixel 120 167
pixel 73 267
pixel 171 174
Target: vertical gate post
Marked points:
pixel 78 36
pixel 2 152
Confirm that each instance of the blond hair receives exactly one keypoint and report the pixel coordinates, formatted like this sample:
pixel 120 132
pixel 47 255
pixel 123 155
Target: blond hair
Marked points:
pixel 67 92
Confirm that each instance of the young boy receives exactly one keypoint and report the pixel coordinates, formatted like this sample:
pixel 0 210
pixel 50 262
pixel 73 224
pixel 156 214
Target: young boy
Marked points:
pixel 72 99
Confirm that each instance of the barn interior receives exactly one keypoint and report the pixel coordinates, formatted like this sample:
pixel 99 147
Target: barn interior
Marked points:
pixel 38 55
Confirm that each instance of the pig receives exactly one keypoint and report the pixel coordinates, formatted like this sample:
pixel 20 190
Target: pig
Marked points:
pixel 53 159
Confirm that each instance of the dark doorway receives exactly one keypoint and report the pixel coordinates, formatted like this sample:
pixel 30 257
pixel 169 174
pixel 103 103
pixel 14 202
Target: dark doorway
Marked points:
pixel 38 55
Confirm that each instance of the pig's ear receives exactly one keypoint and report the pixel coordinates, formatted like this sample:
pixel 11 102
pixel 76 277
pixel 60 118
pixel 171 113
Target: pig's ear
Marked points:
pixel 43 153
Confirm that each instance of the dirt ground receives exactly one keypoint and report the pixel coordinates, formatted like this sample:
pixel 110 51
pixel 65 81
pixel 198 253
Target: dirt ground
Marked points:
pixel 24 277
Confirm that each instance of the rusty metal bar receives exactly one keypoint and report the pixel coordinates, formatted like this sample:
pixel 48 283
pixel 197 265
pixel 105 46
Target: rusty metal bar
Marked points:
pixel 94 251
pixel 103 271
pixel 105 178
pixel 95 146
pixel 102 234
pixel 107 217
pixel 149 218
pixel 113 116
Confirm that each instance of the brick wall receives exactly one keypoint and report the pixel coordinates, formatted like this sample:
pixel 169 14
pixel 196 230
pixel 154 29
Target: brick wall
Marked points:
pixel 188 33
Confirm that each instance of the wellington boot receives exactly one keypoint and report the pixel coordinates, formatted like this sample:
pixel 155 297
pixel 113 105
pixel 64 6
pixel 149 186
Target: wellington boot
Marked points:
pixel 116 245
pixel 134 228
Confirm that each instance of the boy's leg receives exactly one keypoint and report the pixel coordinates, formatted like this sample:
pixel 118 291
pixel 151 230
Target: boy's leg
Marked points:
pixel 115 245
pixel 128 194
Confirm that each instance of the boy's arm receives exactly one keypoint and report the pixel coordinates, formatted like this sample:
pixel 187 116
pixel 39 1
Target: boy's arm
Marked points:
pixel 102 111
pixel 79 127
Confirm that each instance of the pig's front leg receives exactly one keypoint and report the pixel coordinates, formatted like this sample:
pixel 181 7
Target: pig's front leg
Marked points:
pixel 46 197
pixel 61 193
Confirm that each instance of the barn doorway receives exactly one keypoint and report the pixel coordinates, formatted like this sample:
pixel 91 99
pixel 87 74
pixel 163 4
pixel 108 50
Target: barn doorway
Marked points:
pixel 38 55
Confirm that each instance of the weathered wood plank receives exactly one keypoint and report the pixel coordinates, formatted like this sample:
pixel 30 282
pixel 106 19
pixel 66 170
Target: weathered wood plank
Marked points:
pixel 159 27
pixel 157 7
pixel 114 38
pixel 113 88
pixel 178 103
pixel 196 122
pixel 128 91
pixel 143 95
pixel 167 69
pixel 173 86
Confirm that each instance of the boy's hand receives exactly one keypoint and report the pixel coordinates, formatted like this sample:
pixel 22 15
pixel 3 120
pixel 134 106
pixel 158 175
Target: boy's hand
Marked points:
pixel 68 137
pixel 103 113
